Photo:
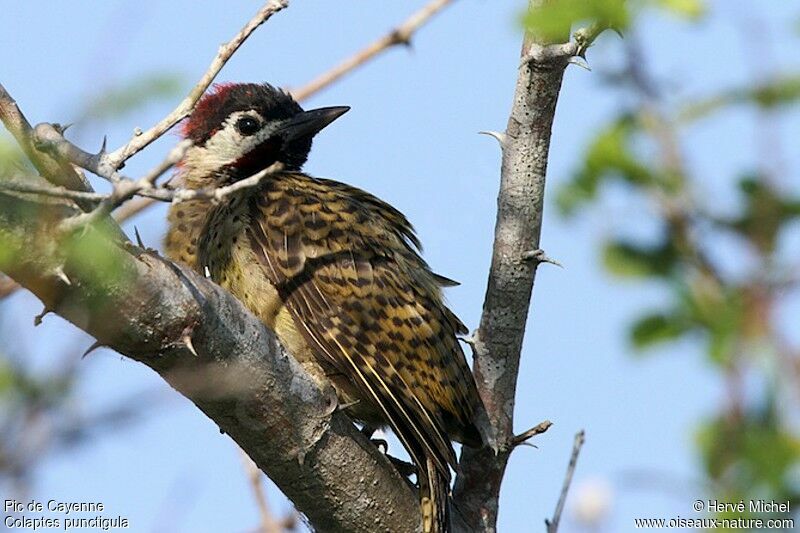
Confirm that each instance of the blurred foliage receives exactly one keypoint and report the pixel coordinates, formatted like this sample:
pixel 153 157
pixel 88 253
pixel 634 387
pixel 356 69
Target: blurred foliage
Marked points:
pixel 750 448
pixel 31 404
pixel 40 412
pixel 115 102
pixel 752 455
pixel 552 18
pixel 12 159
pixel 771 95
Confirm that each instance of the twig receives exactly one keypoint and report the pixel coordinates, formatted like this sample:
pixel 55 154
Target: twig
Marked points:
pixel 53 191
pixel 55 171
pixel 552 524
pixel 221 192
pixel 251 388
pixel 112 161
pixel 126 188
pixel 132 208
pixel 401 35
pixel 582 39
pixel 268 523
pixel 538 429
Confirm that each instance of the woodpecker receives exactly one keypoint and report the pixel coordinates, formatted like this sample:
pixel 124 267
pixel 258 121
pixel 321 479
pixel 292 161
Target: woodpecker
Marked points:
pixel 335 272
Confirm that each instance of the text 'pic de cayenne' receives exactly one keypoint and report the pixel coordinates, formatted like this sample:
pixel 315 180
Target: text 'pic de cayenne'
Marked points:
pixel 335 272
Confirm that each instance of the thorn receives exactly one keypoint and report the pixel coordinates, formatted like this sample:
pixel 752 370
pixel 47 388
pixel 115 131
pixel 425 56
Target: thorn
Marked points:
pixel 343 406
pixel 138 238
pixel 523 437
pixel 401 38
pixel 37 320
pixel 103 146
pixel 93 347
pixel 539 256
pixel 62 128
pixel 501 137
pixel 187 342
pixel 580 61
pixel 59 272
pixel 206 272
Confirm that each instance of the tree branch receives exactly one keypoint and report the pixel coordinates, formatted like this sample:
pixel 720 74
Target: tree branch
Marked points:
pixel 199 338
pixel 497 343
pixel 109 163
pixel 401 35
pixel 269 524
pixel 231 366
pixel 54 170
pixel 552 524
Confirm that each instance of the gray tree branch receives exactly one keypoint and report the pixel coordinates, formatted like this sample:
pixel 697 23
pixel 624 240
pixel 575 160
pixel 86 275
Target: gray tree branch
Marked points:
pixel 401 35
pixel 497 343
pixel 207 346
pixel 204 343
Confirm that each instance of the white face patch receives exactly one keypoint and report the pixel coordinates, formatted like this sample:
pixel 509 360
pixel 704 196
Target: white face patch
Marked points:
pixel 228 145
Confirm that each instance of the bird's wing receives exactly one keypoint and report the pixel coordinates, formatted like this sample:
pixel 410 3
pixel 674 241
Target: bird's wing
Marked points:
pixel 367 304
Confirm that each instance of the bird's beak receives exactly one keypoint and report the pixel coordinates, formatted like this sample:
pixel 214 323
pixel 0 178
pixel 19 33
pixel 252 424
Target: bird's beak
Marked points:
pixel 309 123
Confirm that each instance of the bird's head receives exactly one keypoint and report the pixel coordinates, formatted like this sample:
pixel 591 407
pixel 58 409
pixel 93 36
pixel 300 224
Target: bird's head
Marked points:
pixel 239 129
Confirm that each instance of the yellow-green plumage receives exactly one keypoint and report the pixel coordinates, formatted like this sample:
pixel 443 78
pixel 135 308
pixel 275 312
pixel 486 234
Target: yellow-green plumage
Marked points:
pixel 336 273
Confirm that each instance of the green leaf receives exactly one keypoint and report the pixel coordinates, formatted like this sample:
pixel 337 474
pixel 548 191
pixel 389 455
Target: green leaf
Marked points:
pixel 690 9
pixel 719 312
pixel 751 453
pixel 657 328
pixel 631 260
pixel 552 20
pixel 609 156
pixel 766 212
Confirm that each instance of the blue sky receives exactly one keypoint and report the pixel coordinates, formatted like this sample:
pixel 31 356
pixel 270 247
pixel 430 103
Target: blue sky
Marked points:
pixel 411 139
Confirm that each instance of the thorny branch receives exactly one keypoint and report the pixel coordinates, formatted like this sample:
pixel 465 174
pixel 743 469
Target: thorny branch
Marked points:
pixel 50 139
pixel 60 172
pixel 497 341
pixel 56 171
pixel 582 39
pixel 110 162
pixel 401 35
pixel 139 316
pixel 233 369
pixel 103 164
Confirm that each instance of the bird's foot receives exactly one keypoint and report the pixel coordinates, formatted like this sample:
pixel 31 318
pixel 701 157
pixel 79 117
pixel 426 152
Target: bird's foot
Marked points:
pixel 406 469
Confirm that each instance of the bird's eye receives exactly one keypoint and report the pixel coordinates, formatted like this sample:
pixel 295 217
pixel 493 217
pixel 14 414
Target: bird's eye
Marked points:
pixel 247 125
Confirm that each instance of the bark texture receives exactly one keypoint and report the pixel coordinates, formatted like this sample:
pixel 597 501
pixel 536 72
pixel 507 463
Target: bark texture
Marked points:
pixel 498 340
pixel 205 344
